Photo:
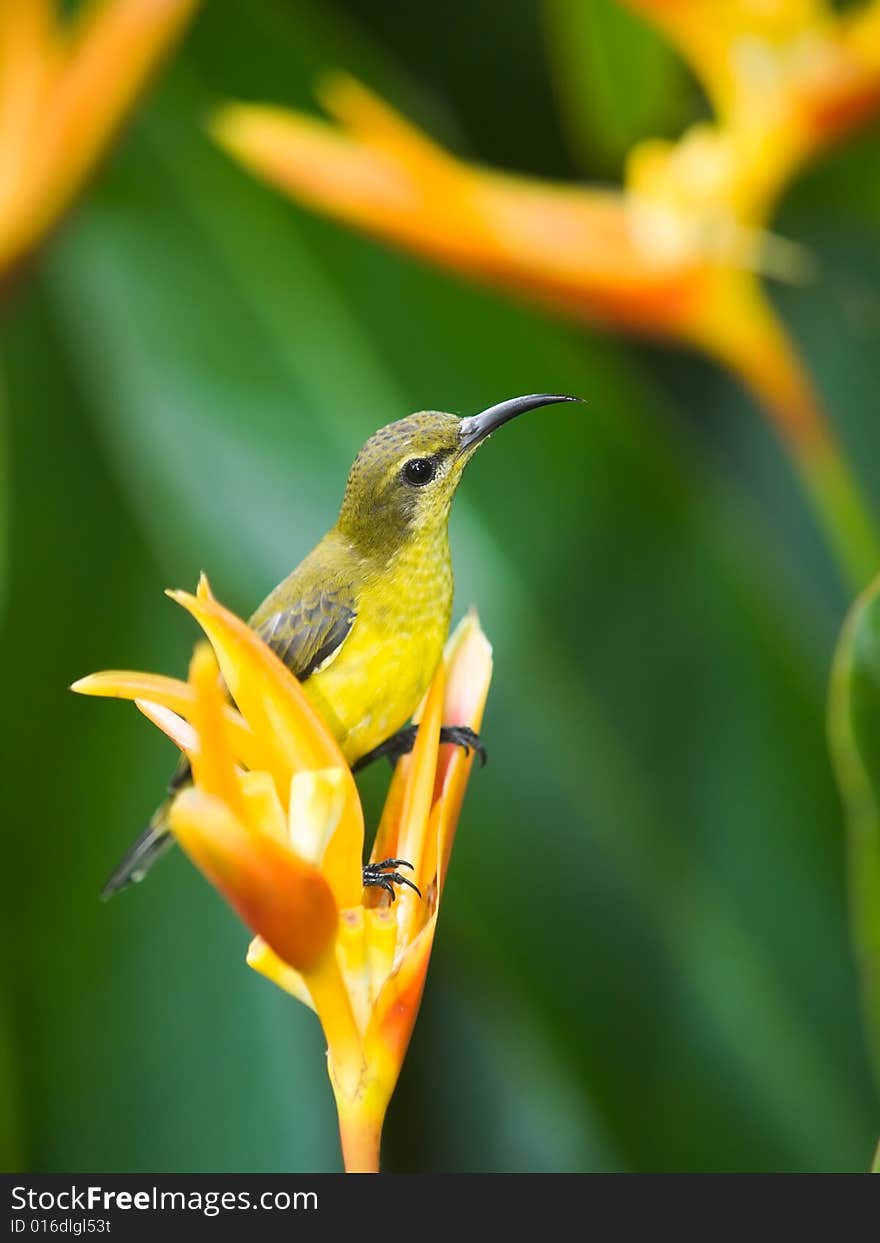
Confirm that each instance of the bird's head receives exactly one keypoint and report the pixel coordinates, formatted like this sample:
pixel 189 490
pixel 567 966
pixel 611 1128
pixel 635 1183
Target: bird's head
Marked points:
pixel 404 478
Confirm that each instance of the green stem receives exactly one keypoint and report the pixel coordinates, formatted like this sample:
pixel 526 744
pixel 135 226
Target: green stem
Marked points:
pixel 853 707
pixel 741 330
pixel 842 511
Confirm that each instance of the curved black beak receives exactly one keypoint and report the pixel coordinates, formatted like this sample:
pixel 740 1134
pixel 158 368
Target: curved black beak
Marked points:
pixel 478 426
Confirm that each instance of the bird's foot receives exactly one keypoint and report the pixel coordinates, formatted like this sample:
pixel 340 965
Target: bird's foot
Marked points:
pixel 376 875
pixel 463 736
pixel 403 741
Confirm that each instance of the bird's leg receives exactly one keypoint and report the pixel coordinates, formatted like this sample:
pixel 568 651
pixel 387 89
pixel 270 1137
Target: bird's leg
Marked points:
pixel 392 748
pixel 375 875
pixel 403 741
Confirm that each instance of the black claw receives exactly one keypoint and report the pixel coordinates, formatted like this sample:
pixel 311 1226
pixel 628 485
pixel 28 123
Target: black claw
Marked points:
pixel 468 739
pixel 374 876
pixel 397 879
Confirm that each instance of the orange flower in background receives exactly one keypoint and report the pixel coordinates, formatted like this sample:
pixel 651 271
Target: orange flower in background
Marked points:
pixel 274 822
pixel 676 254
pixel 787 77
pixel 65 87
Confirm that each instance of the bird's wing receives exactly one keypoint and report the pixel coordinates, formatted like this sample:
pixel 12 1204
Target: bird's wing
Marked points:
pixel 307 635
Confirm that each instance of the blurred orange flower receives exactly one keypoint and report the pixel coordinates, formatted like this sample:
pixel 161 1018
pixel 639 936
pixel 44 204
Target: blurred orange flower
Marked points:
pixel 666 257
pixel 274 821
pixel 677 253
pixel 65 87
pixel 787 77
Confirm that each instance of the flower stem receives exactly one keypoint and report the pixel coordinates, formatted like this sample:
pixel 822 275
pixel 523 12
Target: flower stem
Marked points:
pixel 361 1137
pixel 842 511
pixel 360 1099
pixel 745 334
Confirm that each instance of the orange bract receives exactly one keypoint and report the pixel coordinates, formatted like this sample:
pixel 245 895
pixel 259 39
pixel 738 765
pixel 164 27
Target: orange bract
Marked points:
pixel 65 87
pixel 273 820
pixel 799 64
pixel 677 252
pixel 572 248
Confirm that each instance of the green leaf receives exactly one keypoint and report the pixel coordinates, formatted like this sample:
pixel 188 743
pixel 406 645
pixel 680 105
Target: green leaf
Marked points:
pixel 135 1036
pixel 642 962
pixel 854 728
pixel 5 495
pixel 12 1140
pixel 277 335
pixel 617 79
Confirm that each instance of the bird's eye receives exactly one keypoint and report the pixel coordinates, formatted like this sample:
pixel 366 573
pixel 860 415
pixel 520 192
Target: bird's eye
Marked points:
pixel 419 471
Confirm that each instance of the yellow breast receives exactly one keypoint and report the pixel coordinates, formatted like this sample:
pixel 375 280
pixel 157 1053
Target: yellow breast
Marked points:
pixel 377 679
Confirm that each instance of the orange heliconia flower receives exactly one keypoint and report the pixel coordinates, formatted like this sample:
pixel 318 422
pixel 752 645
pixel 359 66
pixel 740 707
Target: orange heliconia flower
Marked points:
pixel 65 87
pixel 786 77
pixel 676 253
pixel 274 821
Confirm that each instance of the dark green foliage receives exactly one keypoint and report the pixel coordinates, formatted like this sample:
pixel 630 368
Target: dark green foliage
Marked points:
pixel 643 961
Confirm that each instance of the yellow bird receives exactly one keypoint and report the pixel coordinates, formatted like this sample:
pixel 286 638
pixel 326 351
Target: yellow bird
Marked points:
pixel 362 621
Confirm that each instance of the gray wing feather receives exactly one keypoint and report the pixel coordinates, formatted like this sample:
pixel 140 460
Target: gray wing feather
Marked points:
pixel 309 633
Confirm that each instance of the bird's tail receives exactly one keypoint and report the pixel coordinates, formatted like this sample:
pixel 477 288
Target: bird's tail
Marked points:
pixel 152 843
pixel 141 855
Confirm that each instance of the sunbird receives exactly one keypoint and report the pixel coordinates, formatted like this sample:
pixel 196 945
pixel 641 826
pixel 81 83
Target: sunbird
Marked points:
pixel 363 619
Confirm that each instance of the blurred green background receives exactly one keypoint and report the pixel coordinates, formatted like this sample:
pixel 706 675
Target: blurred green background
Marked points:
pixel 643 961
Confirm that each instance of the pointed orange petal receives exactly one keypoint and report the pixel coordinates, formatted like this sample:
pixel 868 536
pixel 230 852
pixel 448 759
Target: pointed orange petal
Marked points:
pixel 264 805
pixel 317 804
pixel 415 841
pixel 796 72
pixel 290 733
pixel 421 770
pixel 172 726
pixel 405 829
pixel 278 896
pixel 266 692
pixel 174 696
pixel 717 37
pixel 469 662
pixel 213 762
pixel 854 96
pixel 368 117
pixel 113 47
pixel 397 811
pixel 128 684
pixel 469 672
pixel 571 247
pixel 861 33
pixel 29 53
pixel 385 843
pixel 310 160
pixel 267 963
pixel 396 1009
pixel 702 31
